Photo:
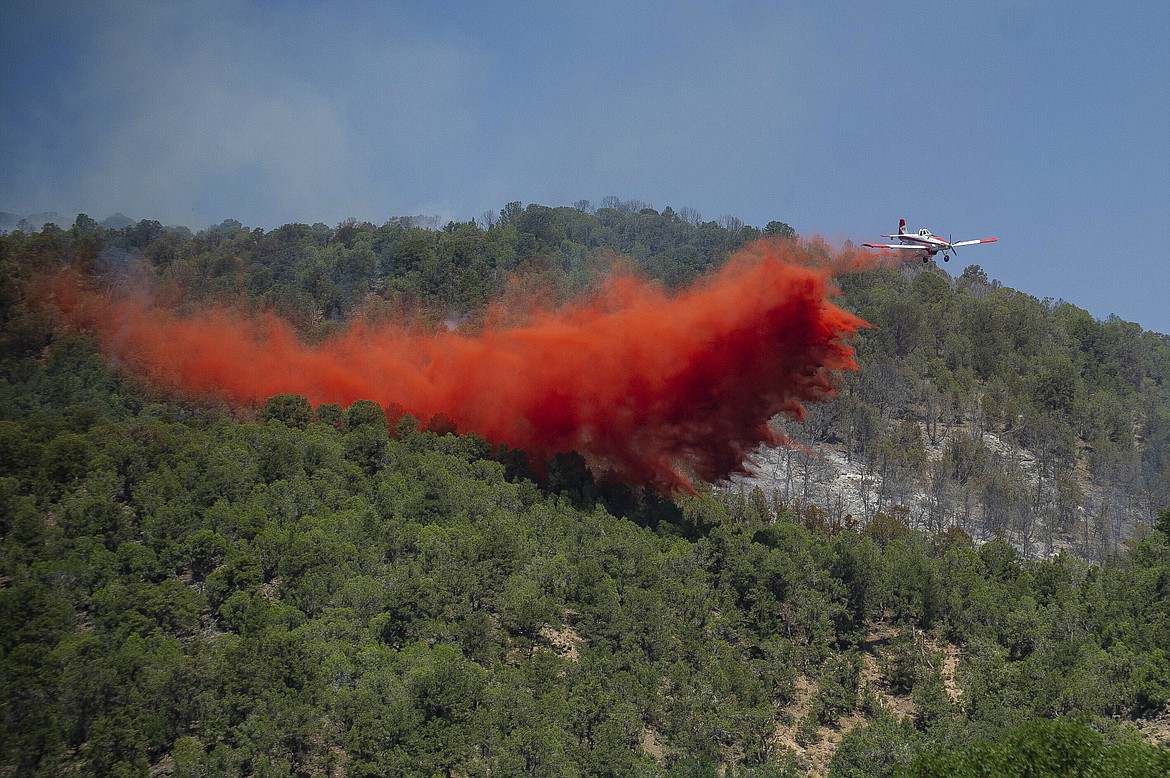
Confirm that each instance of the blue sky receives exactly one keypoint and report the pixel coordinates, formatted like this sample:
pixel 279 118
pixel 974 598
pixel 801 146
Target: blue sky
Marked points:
pixel 1046 124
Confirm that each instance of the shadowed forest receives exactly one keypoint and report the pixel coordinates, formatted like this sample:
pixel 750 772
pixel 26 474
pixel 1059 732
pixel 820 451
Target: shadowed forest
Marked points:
pixel 964 567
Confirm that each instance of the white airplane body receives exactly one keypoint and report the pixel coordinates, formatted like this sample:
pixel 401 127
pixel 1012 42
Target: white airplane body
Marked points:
pixel 924 242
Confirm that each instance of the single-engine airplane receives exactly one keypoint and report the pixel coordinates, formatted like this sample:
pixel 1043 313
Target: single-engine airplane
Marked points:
pixel 925 242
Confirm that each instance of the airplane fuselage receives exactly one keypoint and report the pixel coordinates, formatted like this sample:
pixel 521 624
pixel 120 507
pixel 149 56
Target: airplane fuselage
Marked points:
pixel 925 242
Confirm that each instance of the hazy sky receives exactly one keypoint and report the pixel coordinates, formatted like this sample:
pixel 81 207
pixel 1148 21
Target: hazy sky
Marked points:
pixel 1046 124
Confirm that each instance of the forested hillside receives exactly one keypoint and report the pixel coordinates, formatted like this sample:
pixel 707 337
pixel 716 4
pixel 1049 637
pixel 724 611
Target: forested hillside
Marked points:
pixel 195 589
pixel 983 407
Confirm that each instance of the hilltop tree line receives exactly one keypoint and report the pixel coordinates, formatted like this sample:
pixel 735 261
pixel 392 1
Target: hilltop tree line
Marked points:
pixel 315 274
pixel 313 590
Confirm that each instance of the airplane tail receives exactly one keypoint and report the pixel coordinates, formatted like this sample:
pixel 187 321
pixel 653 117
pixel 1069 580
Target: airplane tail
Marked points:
pixel 901 226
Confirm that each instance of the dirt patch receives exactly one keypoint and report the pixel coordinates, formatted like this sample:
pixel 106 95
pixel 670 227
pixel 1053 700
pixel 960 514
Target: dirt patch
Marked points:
pixel 817 752
pixel 1156 730
pixel 798 710
pixel 162 768
pixel 653 746
pixel 565 641
pixel 950 668
pixel 271 590
pixel 874 654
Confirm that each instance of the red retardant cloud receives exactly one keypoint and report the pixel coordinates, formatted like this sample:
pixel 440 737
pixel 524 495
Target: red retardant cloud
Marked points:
pixel 652 388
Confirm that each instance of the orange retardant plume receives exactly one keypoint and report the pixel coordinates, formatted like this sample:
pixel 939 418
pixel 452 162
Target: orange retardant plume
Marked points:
pixel 652 388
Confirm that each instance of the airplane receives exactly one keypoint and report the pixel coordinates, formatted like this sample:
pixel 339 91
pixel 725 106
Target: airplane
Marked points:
pixel 925 242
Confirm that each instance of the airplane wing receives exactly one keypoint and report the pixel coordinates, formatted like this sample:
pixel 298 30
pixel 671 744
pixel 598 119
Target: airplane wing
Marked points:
pixel 901 246
pixel 973 242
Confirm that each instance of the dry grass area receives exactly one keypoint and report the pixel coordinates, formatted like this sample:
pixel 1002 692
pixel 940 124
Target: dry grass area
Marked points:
pixel 950 667
pixel 816 752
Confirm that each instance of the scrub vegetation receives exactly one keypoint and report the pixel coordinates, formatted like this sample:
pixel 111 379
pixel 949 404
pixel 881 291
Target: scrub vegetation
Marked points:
pixel 285 590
